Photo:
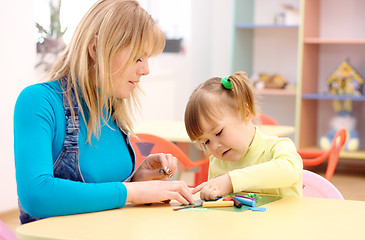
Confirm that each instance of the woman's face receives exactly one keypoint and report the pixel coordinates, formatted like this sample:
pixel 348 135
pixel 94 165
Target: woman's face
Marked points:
pixel 125 78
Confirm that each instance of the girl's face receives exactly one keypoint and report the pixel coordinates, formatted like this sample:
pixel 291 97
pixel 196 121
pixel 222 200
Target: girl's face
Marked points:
pixel 125 78
pixel 230 138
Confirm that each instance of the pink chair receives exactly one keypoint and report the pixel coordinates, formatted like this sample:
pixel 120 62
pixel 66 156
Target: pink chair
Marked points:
pixel 6 233
pixel 317 186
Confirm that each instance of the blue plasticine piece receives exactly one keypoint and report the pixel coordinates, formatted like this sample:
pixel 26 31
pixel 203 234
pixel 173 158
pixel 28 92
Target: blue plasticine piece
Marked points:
pixel 246 201
pixel 261 209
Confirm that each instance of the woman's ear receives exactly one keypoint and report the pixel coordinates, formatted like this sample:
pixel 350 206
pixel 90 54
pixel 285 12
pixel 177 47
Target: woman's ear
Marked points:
pixel 92 47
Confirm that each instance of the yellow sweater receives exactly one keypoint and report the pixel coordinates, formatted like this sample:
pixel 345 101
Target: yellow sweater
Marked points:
pixel 271 165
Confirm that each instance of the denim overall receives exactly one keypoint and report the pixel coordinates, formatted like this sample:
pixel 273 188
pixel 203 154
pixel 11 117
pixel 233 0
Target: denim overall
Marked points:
pixel 67 164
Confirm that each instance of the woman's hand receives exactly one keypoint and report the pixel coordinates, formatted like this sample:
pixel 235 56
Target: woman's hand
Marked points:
pixel 216 187
pixel 151 166
pixel 158 191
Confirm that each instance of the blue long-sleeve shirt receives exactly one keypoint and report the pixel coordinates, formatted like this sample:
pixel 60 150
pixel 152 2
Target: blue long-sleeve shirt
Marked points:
pixel 39 131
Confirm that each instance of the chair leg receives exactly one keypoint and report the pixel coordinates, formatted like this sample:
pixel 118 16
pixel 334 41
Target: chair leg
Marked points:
pixel 202 175
pixel 331 166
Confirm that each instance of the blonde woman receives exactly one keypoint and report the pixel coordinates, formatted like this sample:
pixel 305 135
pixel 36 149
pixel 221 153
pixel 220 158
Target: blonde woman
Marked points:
pixel 72 150
pixel 219 115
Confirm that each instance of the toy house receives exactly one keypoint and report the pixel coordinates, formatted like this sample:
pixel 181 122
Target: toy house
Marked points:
pixel 345 81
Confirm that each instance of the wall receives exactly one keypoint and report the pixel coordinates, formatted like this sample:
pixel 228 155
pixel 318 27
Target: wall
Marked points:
pixel 210 49
pixel 275 52
pixel 17 59
pixel 207 54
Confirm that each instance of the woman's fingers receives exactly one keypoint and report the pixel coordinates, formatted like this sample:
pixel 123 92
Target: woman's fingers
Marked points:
pixel 185 191
pixel 181 193
pixel 168 164
pixel 157 191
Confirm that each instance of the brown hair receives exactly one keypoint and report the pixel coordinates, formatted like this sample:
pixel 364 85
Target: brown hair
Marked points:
pixel 211 96
pixel 117 24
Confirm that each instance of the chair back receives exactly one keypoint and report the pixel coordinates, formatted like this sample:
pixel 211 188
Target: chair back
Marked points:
pixel 317 186
pixel 314 158
pixel 267 120
pixel 145 144
pixel 6 233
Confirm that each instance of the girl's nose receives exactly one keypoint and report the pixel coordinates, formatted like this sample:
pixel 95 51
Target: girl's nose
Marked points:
pixel 215 144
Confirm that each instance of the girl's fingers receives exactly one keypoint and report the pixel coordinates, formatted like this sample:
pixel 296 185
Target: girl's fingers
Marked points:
pixel 199 187
pixel 207 195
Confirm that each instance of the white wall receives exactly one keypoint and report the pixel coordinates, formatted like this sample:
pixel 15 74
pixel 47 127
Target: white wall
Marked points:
pixel 207 54
pixel 17 58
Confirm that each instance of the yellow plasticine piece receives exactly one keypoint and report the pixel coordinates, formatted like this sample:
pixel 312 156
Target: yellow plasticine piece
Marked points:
pixel 218 204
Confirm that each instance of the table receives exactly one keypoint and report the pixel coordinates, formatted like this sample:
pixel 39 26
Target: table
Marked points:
pixel 288 218
pixel 175 130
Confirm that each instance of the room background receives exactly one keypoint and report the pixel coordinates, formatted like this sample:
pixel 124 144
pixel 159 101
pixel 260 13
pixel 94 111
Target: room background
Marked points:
pixel 173 76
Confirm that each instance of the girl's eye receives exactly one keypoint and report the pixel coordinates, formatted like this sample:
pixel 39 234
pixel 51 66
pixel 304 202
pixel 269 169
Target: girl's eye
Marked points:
pixel 206 142
pixel 139 60
pixel 220 132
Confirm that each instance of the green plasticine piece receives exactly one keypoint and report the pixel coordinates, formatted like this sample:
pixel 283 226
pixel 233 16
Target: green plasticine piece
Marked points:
pixel 253 195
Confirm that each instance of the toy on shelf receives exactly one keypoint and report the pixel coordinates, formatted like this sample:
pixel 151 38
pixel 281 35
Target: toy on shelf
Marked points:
pixel 342 119
pixel 289 16
pixel 345 81
pixel 264 80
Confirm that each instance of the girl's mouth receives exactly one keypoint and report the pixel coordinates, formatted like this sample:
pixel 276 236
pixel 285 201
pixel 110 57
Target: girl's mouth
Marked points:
pixel 226 152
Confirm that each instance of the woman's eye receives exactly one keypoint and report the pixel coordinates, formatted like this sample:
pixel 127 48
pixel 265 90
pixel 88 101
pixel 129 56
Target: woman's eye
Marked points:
pixel 139 60
pixel 206 142
pixel 220 132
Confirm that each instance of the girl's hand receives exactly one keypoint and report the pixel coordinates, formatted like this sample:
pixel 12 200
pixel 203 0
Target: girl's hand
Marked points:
pixel 216 187
pixel 158 191
pixel 151 166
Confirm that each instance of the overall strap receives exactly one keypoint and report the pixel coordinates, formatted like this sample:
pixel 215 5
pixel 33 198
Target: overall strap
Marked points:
pixel 72 125
pixel 67 164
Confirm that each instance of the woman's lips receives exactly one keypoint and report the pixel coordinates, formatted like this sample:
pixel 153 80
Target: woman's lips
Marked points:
pixel 133 83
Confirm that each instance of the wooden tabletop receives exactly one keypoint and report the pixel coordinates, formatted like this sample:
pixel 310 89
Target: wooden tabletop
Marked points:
pixel 287 218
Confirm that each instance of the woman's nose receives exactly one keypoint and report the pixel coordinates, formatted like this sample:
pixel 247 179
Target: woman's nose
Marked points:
pixel 144 69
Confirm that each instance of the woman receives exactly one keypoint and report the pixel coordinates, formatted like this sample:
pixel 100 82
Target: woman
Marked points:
pixel 72 150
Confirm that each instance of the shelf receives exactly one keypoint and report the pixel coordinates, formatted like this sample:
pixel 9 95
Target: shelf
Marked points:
pixel 353 155
pixel 279 92
pixel 343 154
pixel 334 41
pixel 255 26
pixel 319 96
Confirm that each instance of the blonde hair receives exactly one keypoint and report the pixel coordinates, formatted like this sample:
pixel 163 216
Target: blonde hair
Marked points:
pixel 117 24
pixel 211 96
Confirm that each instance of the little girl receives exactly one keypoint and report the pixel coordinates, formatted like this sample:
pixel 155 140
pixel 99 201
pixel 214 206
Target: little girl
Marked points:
pixel 219 115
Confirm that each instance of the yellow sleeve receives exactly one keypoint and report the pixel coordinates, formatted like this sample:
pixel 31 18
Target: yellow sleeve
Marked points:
pixel 282 169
